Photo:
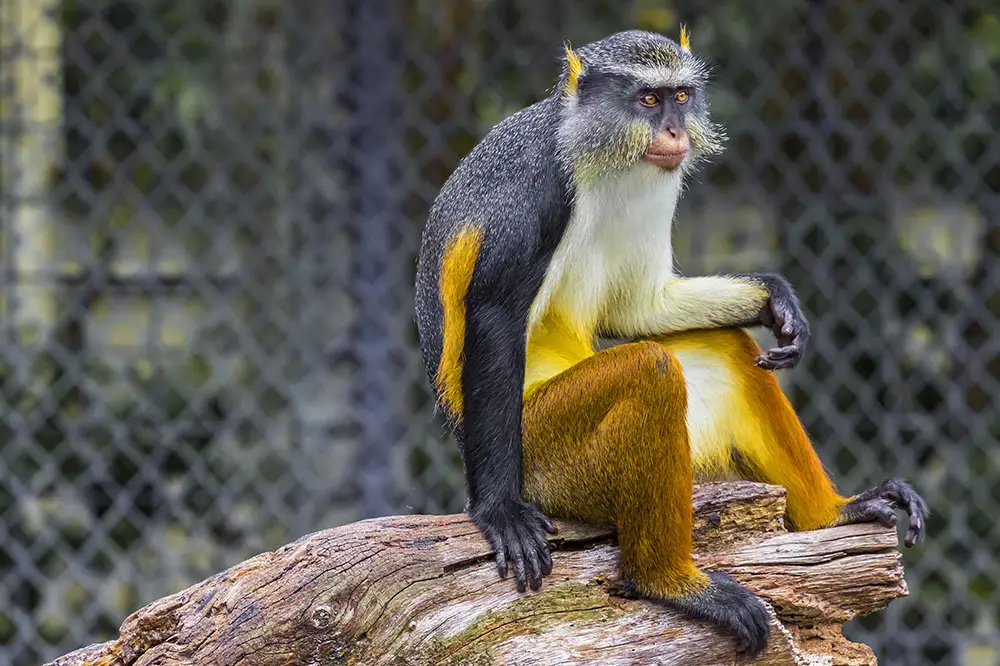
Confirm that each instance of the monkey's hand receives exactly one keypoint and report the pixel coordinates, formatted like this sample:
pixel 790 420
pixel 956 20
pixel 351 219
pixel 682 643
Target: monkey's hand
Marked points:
pixel 516 531
pixel 879 504
pixel 782 314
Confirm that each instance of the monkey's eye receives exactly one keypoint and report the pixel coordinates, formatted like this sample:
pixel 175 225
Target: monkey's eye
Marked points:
pixel 681 96
pixel 649 99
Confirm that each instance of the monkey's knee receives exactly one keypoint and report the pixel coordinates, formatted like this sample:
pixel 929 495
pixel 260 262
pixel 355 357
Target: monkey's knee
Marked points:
pixel 731 343
pixel 658 368
pixel 742 343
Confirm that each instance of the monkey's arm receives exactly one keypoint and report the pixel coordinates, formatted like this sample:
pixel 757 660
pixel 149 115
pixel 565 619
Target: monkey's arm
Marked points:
pixel 492 378
pixel 719 301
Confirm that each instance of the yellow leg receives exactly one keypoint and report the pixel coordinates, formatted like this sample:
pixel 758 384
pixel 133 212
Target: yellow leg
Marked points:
pixel 741 422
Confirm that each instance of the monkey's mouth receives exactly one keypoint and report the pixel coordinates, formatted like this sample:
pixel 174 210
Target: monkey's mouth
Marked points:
pixel 665 160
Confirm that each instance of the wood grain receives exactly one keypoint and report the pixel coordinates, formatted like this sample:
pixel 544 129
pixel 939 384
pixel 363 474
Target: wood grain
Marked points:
pixel 414 590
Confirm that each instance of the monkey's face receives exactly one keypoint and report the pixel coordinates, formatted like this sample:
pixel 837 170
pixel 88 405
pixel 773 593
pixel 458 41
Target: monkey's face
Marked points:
pixel 634 97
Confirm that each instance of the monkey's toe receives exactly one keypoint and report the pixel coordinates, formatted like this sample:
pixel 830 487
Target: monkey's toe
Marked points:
pixel 879 504
pixel 732 608
pixel 875 510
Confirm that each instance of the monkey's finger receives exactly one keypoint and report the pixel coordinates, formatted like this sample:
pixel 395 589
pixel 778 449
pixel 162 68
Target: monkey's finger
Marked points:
pixel 534 567
pixel 501 562
pixel 783 352
pixel 794 323
pixel 547 524
pixel 501 555
pixel 765 362
pixel 884 513
pixel 780 357
pixel 791 332
pixel 873 511
pixel 918 521
pixel 498 546
pixel 916 509
pixel 517 562
pixel 546 561
pixel 783 340
pixel 798 337
pixel 915 532
pixel 542 544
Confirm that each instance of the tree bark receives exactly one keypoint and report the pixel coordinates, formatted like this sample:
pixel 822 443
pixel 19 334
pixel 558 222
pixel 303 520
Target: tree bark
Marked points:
pixel 413 590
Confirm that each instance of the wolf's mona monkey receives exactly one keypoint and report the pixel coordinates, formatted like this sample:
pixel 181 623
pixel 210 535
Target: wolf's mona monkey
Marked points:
pixel 555 232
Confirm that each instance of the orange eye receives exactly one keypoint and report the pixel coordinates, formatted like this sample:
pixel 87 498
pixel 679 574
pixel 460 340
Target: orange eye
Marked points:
pixel 649 99
pixel 681 96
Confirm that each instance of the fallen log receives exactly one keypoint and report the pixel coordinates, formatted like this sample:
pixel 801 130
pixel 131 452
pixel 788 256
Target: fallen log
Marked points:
pixel 414 590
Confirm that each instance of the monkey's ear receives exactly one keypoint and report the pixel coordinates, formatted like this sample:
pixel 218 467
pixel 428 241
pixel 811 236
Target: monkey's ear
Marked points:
pixel 574 69
pixel 685 39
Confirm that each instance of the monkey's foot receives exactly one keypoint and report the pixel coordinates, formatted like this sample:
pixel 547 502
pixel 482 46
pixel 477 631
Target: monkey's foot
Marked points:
pixel 879 504
pixel 726 604
pixel 516 532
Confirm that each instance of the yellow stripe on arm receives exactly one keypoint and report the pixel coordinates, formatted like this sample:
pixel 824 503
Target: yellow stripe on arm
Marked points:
pixel 459 260
pixel 688 303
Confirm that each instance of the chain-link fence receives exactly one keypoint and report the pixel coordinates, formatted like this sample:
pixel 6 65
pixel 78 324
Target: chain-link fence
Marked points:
pixel 210 214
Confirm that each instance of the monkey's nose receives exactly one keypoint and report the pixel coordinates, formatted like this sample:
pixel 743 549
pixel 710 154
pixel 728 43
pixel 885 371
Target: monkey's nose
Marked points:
pixel 668 148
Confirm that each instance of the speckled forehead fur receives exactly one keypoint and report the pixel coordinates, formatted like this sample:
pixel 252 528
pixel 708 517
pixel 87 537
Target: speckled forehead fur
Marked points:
pixel 652 58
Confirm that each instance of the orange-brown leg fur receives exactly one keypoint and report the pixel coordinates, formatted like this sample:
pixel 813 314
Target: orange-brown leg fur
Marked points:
pixel 606 442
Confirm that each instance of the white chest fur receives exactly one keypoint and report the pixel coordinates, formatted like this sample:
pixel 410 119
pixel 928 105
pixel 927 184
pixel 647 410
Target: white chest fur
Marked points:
pixel 616 247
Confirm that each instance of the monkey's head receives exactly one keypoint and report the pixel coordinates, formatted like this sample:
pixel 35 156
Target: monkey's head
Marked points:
pixel 631 97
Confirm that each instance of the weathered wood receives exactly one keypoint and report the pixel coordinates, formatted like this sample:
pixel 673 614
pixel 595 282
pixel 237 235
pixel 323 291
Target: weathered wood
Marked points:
pixel 409 590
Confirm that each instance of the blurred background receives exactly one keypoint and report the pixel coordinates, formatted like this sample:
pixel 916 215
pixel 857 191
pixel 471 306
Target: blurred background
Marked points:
pixel 209 217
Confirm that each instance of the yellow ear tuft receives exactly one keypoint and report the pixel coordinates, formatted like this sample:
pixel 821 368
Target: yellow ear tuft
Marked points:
pixel 575 69
pixel 685 38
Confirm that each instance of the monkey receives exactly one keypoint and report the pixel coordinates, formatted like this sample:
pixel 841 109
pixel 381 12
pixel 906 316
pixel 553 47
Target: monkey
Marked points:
pixel 553 234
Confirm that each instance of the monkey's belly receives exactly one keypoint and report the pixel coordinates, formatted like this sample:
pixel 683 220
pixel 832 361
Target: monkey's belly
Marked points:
pixel 555 345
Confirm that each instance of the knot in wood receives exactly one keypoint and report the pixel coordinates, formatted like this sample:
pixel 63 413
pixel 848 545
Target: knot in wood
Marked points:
pixel 321 617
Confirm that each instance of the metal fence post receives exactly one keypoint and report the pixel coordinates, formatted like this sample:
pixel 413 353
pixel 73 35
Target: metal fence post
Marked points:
pixel 376 84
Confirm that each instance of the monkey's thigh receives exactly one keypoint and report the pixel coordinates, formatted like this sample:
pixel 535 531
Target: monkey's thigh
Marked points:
pixel 607 438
